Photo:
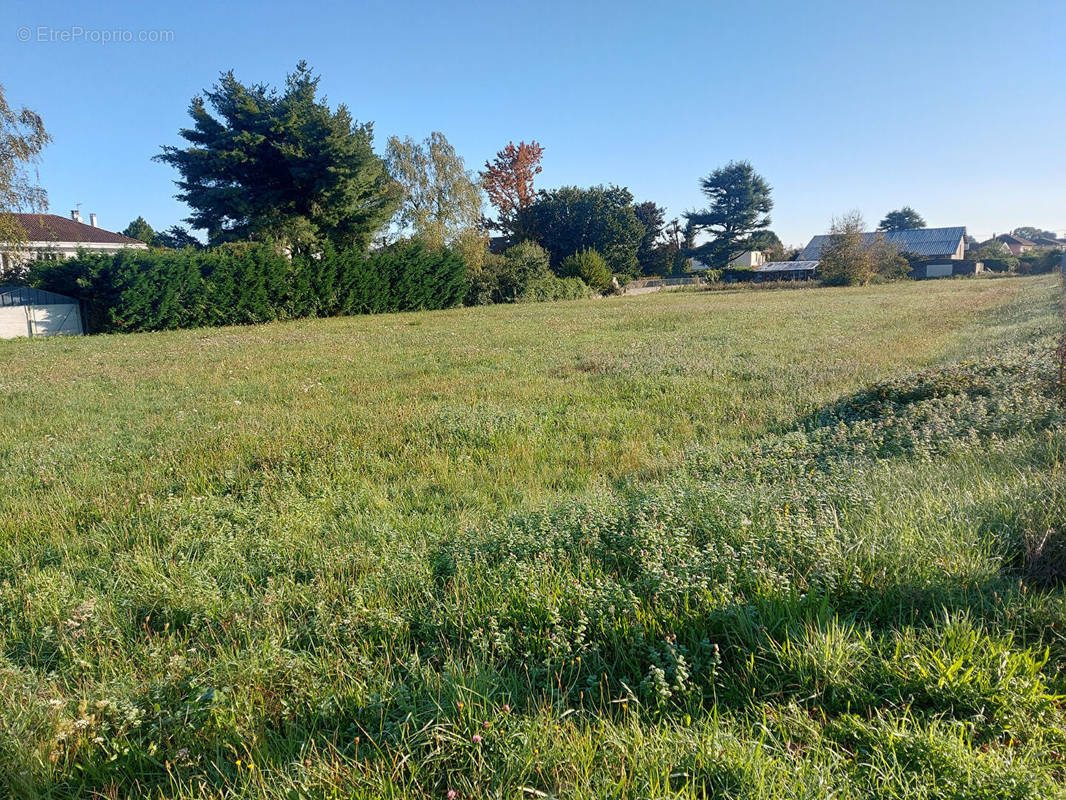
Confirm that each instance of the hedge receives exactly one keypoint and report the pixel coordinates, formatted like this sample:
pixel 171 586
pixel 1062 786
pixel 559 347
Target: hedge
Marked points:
pixel 147 290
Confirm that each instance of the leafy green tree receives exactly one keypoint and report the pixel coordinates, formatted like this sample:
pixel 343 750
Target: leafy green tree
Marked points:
pixel 902 219
pixel 263 164
pixel 139 229
pixel 506 277
pixel 1029 232
pixel 845 260
pixel 590 266
pixel 651 254
pixel 567 220
pixel 886 260
pixel 995 255
pixel 441 200
pixel 740 205
pixel 22 138
pixel 680 240
pixel 176 238
pixel 770 243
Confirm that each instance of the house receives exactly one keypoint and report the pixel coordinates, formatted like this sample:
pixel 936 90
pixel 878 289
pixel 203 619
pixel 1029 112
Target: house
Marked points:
pixel 1049 244
pixel 928 243
pixel 1016 244
pixel 749 258
pixel 25 311
pixel 50 236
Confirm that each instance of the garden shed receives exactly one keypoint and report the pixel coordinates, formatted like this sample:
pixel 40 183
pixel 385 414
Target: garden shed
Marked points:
pixel 25 311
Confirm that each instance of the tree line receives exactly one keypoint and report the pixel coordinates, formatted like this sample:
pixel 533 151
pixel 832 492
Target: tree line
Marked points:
pixel 282 166
pixel 303 217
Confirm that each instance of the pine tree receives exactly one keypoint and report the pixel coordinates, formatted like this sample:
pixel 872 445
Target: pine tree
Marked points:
pixel 739 207
pixel 283 166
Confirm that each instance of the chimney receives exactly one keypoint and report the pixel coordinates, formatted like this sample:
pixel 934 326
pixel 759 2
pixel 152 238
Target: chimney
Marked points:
pixel 92 220
pixel 75 215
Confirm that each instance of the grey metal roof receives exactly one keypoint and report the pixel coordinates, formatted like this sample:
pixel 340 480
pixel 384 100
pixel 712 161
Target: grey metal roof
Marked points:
pixel 28 296
pixel 930 242
pixel 787 266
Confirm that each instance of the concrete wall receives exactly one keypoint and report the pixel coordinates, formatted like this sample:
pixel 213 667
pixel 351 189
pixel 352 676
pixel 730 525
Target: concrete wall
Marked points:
pixel 49 320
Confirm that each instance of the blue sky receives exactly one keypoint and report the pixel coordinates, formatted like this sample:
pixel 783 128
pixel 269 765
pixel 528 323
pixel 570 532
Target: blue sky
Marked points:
pixel 955 108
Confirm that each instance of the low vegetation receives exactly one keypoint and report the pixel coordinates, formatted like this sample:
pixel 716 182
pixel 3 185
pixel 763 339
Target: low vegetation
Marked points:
pixel 767 545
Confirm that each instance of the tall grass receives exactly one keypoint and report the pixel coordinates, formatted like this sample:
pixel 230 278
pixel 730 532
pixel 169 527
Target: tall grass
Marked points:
pixel 767 545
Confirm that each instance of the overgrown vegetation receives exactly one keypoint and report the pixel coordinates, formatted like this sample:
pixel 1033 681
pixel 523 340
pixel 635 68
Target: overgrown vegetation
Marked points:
pixel 522 273
pixel 418 556
pixel 589 266
pixel 848 260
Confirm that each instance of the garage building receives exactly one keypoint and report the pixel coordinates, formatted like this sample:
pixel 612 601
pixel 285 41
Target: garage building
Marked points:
pixel 25 311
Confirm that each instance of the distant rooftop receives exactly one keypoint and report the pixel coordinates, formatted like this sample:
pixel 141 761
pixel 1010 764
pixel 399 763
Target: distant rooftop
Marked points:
pixel 54 228
pixel 929 242
pixel 1010 238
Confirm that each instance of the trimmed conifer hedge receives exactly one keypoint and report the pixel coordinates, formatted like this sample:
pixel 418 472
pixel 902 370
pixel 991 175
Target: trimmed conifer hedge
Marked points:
pixel 243 283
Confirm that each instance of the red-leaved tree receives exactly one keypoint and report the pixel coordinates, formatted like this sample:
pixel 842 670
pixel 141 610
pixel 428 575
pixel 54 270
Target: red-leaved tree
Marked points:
pixel 508 181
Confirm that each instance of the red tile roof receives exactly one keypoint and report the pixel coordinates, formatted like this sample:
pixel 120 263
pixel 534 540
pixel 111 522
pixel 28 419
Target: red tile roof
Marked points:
pixel 1010 238
pixel 54 228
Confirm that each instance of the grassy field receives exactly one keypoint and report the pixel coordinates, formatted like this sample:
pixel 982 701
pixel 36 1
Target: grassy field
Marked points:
pixel 661 546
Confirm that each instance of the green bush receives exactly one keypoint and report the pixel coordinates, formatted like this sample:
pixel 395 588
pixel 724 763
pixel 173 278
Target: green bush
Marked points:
pixel 996 256
pixel 999 264
pixel 1037 262
pixel 521 274
pixel 588 265
pixel 243 283
pixel 552 287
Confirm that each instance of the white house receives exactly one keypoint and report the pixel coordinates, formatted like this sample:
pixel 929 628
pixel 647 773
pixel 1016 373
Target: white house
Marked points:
pixel 749 258
pixel 50 236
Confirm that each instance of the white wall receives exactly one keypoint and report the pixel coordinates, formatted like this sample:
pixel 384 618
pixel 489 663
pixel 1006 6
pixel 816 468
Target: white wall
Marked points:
pixel 751 258
pixel 49 320
pixel 61 251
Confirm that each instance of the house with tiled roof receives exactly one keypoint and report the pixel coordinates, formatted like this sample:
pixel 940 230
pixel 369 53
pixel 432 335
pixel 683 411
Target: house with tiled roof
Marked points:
pixel 50 236
pixel 1016 244
pixel 1047 242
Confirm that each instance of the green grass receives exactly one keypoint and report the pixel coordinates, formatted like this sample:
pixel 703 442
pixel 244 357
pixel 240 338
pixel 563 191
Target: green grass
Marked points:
pixel 662 546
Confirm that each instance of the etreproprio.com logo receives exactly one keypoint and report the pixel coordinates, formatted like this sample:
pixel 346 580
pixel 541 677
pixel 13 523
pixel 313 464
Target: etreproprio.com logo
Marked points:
pixel 77 33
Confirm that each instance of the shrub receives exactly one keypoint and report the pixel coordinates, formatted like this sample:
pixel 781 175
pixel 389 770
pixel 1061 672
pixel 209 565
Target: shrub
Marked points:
pixel 996 257
pixel 588 265
pixel 244 282
pixel 1038 262
pixel 552 287
pixel 520 273
pixel 845 260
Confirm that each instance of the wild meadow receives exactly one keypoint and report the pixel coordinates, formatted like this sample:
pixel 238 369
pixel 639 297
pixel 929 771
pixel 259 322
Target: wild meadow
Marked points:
pixel 743 543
